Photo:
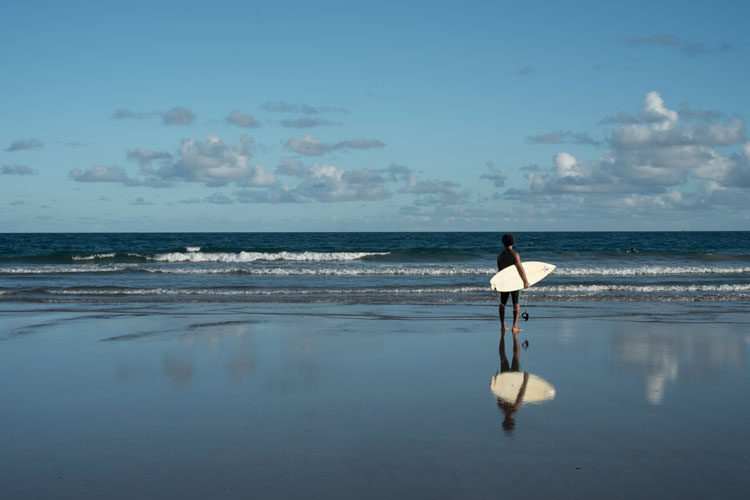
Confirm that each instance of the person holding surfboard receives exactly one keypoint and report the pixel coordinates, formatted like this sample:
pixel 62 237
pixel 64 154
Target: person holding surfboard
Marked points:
pixel 509 257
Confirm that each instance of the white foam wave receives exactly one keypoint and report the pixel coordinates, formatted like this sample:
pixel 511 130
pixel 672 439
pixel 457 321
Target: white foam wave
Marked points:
pixel 94 256
pixel 196 256
pixel 328 271
pixel 649 270
pixel 212 265
pixel 226 292
pixel 192 249
pixel 725 288
pixel 53 269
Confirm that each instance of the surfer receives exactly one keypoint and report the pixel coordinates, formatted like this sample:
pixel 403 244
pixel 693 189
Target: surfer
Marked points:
pixel 509 257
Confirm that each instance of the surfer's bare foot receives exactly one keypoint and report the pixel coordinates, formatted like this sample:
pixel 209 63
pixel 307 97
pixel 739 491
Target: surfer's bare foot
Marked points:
pixel 504 328
pixel 517 330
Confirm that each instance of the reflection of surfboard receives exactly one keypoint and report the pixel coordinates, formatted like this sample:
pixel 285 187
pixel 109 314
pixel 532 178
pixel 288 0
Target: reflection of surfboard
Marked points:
pixel 509 280
pixel 506 386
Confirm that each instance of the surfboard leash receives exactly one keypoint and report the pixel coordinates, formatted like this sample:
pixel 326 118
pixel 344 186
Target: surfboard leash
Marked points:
pixel 525 314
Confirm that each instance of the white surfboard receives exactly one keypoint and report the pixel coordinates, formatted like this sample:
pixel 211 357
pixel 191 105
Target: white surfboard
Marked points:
pixel 507 386
pixel 508 280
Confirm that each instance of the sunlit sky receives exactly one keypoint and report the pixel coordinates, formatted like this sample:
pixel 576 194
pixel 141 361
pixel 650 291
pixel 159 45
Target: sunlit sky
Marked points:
pixel 383 116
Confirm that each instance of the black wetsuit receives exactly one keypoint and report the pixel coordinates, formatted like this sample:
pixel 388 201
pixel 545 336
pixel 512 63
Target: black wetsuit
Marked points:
pixel 506 259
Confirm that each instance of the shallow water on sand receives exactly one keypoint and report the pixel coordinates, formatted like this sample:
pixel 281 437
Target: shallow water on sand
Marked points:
pixel 373 401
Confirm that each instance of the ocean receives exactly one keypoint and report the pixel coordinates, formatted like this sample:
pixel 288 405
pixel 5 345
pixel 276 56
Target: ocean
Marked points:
pixel 382 268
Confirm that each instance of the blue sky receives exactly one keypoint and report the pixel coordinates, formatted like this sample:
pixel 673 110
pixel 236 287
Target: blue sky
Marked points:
pixel 340 116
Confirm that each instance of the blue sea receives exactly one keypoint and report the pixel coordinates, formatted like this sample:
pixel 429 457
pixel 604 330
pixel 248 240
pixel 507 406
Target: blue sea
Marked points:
pixel 380 268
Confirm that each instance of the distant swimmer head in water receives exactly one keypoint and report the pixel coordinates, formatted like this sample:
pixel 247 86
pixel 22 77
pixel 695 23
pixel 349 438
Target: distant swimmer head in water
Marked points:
pixel 632 250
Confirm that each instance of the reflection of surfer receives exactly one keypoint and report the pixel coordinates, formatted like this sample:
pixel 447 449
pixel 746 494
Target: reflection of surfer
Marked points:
pixel 507 258
pixel 511 408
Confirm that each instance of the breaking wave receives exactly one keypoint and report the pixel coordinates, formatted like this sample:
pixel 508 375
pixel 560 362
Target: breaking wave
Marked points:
pixel 196 256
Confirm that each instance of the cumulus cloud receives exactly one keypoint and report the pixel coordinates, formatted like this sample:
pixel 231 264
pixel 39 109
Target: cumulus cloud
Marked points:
pixel 329 184
pixel 434 192
pixel 144 157
pixel 102 173
pixel 16 170
pixel 564 136
pixel 241 119
pixel 495 175
pixel 177 116
pixel 216 164
pixel 323 183
pixel 21 144
pixel 210 162
pixel 310 146
pixel 290 166
pixel 653 154
pixel 428 192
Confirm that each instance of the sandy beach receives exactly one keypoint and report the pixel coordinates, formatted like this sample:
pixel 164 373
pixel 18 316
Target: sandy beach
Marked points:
pixel 357 401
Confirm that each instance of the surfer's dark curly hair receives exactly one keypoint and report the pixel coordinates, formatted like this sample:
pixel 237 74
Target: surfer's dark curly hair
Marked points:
pixel 508 239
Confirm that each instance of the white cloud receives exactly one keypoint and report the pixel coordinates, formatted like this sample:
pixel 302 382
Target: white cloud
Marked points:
pixel 214 163
pixel 434 192
pixel 563 136
pixel 654 111
pixel 210 162
pixel 310 146
pixel 241 119
pixel 102 173
pixel 144 157
pixel 16 170
pixel 651 156
pixel 495 175
pixel 566 165
pixel 327 183
pixel 290 166
pixel 21 144
pixel 177 116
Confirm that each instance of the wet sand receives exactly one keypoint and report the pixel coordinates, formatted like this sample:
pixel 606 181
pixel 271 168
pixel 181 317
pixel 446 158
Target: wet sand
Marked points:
pixel 358 401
